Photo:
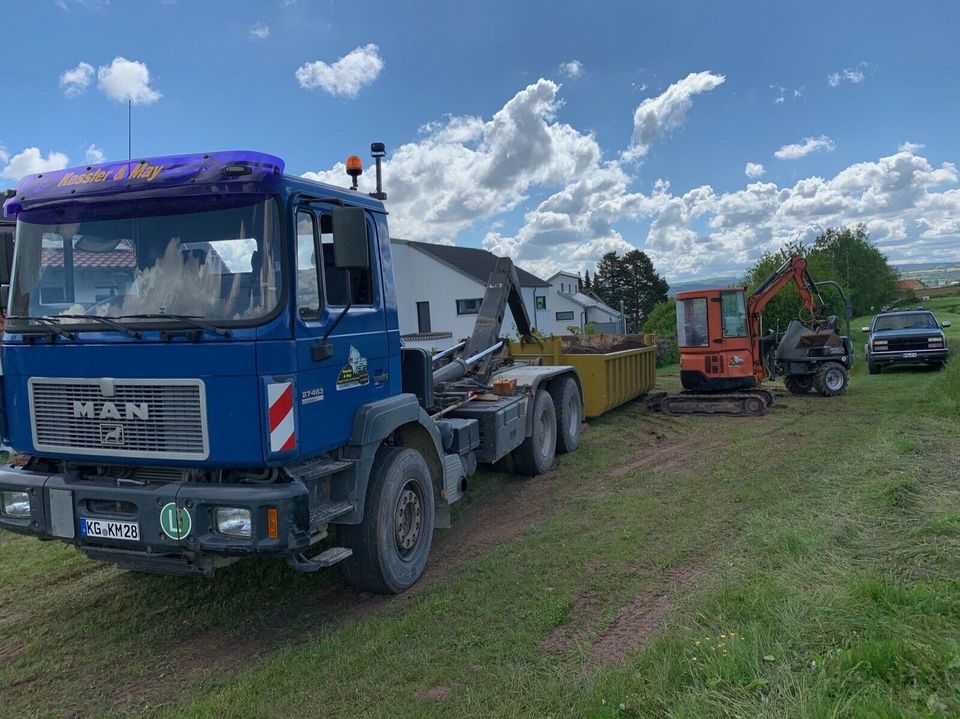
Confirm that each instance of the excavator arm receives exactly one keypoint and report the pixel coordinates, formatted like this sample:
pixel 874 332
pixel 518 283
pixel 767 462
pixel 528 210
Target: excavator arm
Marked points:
pixel 793 270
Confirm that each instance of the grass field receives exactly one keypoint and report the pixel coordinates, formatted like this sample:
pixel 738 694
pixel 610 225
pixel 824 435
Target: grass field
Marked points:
pixel 804 564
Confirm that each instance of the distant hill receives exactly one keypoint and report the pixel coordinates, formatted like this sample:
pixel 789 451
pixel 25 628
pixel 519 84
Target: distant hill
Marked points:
pixel 705 284
pixel 932 274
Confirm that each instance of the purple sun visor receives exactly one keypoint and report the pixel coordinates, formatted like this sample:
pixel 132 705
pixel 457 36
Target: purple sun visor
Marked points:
pixel 227 172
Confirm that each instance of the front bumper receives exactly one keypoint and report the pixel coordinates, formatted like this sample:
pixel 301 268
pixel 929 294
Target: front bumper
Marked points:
pixel 891 357
pixel 58 503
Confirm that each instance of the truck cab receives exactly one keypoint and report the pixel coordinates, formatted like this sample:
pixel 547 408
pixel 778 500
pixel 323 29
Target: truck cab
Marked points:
pixel 202 362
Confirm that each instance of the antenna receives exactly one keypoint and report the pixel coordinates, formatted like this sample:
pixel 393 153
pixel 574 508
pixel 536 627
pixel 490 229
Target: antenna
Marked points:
pixel 378 151
pixel 129 130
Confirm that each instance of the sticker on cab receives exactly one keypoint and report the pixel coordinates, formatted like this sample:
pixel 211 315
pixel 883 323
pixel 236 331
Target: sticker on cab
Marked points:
pixel 354 372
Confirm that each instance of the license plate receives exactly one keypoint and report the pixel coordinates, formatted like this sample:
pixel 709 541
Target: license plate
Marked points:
pixel 110 529
pixel 909 355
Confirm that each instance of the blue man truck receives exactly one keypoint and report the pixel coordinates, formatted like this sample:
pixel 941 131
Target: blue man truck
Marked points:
pixel 202 363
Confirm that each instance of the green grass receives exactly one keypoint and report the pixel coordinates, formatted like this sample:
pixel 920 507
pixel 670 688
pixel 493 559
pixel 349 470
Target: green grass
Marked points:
pixel 821 546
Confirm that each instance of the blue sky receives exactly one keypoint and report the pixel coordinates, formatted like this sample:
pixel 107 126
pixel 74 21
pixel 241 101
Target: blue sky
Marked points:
pixel 547 130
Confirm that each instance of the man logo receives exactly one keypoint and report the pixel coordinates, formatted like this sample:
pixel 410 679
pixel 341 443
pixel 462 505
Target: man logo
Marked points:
pixel 111 434
pixel 109 410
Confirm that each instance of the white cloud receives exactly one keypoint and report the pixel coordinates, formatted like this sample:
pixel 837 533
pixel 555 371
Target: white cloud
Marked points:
pixel 754 170
pixel 31 161
pixel 572 69
pixel 127 80
pixel 94 155
pixel 853 75
pixel 468 173
pixel 346 76
pixel 805 147
pixel 911 147
pixel 656 116
pixel 75 81
pixel 260 31
pixel 4 155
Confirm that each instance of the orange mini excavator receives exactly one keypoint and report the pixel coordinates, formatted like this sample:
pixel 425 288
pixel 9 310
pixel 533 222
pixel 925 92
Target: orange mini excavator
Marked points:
pixel 724 358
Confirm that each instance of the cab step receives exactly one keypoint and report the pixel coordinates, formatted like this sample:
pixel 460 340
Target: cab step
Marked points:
pixel 326 558
pixel 324 513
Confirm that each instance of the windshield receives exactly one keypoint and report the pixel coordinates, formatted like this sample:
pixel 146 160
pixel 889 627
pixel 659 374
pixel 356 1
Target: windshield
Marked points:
pixel 914 321
pixel 148 257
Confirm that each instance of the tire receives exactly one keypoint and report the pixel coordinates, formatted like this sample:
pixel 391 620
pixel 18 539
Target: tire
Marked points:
pixel 568 405
pixel 536 454
pixel 390 546
pixel 798 383
pixel 874 368
pixel 830 379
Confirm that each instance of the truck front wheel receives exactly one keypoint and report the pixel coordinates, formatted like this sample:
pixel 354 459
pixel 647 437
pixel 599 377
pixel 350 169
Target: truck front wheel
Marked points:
pixel 830 379
pixel 390 546
pixel 536 454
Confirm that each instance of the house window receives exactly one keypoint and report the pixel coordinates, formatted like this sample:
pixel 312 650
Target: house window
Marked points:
pixel 52 295
pixel 101 293
pixel 469 307
pixel 423 317
pixel 541 302
pixel 564 316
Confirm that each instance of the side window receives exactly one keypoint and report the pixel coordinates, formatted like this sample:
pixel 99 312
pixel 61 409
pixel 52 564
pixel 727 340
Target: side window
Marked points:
pixel 335 279
pixel 308 286
pixel 541 301
pixel 734 314
pixel 692 322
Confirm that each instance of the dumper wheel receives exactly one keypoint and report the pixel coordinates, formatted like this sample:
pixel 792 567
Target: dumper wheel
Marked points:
pixel 830 379
pixel 798 383
pixel 391 544
pixel 536 454
pixel 568 405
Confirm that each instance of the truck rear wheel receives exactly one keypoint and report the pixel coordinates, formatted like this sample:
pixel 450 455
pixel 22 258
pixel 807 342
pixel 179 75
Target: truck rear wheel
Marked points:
pixel 830 379
pixel 390 546
pixel 568 404
pixel 798 383
pixel 536 454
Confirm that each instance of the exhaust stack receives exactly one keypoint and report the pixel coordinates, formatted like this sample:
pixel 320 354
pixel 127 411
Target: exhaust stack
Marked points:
pixel 378 150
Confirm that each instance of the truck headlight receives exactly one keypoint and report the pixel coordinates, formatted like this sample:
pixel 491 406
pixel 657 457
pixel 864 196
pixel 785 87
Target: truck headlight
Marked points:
pixel 16 504
pixel 234 522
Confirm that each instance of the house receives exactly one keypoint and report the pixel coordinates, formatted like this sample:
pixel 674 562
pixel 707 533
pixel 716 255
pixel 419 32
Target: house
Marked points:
pixel 440 289
pixel 586 307
pixel 910 285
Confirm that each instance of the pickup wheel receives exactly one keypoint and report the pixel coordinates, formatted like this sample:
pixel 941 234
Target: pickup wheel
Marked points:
pixel 568 405
pixel 390 546
pixel 536 454
pixel 874 368
pixel 830 379
pixel 798 383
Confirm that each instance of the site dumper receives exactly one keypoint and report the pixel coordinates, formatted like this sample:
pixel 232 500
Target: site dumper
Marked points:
pixel 202 362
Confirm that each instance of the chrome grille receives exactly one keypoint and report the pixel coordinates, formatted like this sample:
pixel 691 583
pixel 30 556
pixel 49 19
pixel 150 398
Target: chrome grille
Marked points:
pixel 174 427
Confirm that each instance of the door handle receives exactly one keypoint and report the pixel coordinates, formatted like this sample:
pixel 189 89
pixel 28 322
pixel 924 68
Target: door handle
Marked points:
pixel 321 351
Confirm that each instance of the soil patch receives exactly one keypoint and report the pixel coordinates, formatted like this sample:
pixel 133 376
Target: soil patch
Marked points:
pixel 437 694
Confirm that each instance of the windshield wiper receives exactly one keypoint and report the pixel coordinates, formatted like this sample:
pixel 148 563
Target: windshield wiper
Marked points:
pixel 189 319
pixel 48 324
pixel 112 324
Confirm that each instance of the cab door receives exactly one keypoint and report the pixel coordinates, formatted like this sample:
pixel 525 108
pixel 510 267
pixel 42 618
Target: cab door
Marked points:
pixel 342 359
pixel 736 359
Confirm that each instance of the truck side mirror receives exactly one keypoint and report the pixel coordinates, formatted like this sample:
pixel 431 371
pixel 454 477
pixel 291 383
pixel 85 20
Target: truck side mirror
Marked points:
pixel 351 249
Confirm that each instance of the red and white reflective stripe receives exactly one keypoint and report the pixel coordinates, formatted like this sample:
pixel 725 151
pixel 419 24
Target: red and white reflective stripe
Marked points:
pixel 280 400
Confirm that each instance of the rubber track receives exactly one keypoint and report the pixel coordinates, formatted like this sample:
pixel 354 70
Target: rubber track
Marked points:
pixel 678 400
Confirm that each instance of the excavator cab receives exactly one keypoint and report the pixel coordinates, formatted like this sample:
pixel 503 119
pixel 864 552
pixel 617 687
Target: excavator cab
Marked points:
pixel 714 341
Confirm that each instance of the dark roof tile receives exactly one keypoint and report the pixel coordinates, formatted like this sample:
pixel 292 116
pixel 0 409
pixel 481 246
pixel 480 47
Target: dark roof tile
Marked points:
pixel 473 261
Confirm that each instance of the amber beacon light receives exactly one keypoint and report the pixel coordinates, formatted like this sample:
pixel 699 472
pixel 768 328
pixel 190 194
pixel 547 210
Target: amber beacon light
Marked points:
pixel 354 169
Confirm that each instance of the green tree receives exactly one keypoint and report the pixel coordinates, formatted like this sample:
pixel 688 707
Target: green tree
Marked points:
pixel 632 280
pixel 844 255
pixel 586 280
pixel 662 322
